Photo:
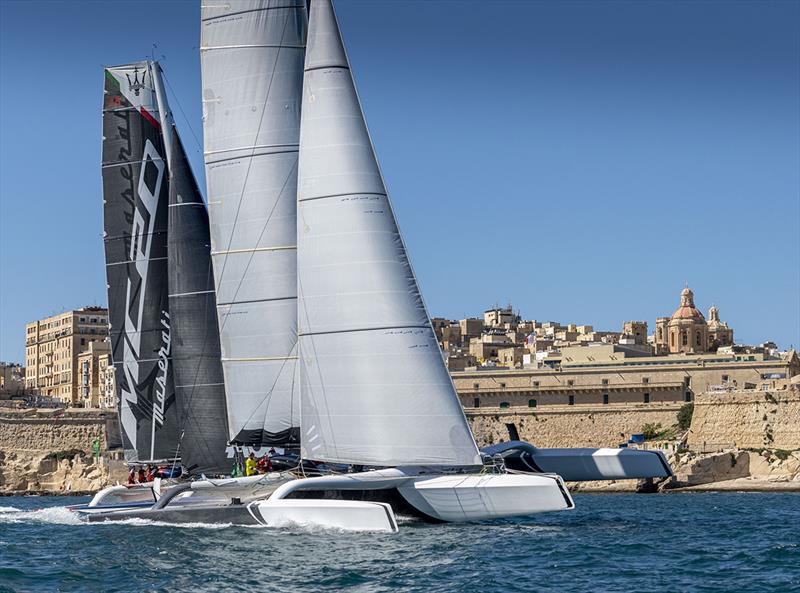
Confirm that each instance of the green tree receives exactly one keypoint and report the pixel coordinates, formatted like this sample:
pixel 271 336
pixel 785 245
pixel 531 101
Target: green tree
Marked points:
pixel 685 416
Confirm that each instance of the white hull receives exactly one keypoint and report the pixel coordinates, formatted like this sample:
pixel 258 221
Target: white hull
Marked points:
pixel 452 497
pixel 329 514
pixel 459 498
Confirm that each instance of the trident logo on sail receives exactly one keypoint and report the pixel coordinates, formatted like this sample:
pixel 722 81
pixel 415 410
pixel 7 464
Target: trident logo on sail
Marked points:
pixel 136 85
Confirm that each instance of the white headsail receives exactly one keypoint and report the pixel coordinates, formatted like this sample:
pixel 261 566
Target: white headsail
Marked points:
pixel 374 387
pixel 252 55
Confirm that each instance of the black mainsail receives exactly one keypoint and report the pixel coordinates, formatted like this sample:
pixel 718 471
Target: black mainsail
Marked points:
pixel 162 306
pixel 135 194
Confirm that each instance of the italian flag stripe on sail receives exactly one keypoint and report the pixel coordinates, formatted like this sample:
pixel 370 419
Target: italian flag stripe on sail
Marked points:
pixel 150 118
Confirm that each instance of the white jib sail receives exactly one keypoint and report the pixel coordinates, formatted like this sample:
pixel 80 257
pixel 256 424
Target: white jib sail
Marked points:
pixel 252 55
pixel 374 387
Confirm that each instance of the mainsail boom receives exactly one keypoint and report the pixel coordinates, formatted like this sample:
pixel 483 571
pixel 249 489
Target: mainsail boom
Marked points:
pixel 374 387
pixel 252 64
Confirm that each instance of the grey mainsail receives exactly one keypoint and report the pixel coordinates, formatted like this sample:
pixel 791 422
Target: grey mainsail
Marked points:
pixel 135 194
pixel 252 66
pixel 199 387
pixel 374 387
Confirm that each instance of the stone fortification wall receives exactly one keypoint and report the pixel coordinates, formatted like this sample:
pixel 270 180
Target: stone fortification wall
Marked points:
pixel 569 426
pixel 45 431
pixel 747 420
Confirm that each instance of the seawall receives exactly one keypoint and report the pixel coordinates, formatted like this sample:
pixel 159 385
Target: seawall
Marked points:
pixel 747 419
pixel 50 431
pixel 34 445
pixel 569 426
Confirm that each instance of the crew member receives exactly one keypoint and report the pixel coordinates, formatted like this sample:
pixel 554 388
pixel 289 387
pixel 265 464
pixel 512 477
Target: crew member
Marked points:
pixel 251 465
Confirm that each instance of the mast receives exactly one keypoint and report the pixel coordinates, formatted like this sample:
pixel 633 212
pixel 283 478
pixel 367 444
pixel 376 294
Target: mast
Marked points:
pixel 135 195
pixel 252 64
pixel 374 387
pixel 199 386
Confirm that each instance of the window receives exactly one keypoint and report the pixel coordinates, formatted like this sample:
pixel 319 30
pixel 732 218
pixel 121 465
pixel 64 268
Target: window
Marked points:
pixel 688 396
pixel 660 334
pixel 725 378
pixel 531 403
pixel 475 385
pixel 570 382
pixel 672 340
pixel 605 381
pixel 647 398
pixel 572 400
pixel 504 405
pixel 684 338
pixel 605 398
pixel 536 383
pixel 697 339
pixel 476 403
pixel 645 380
pixel 502 385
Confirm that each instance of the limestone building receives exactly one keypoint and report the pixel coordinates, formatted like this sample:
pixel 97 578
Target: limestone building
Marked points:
pixel 609 375
pixel 688 332
pixel 52 348
pixel 719 334
pixel 12 379
pixel 90 382
pixel 106 383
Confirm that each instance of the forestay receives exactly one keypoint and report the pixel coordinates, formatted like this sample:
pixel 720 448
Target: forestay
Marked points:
pixel 374 387
pixel 135 191
pixel 252 62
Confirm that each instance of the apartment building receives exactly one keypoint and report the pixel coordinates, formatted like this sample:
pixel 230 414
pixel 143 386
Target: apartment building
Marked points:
pixel 52 349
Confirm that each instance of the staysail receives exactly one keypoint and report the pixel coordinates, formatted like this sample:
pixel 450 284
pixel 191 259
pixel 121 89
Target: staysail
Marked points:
pixel 252 65
pixel 374 388
pixel 196 365
pixel 135 195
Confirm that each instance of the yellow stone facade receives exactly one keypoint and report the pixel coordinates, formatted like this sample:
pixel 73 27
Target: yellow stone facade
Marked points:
pixel 52 348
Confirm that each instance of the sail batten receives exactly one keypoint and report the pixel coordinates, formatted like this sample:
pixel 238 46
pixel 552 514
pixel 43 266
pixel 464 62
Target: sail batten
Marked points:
pixel 374 388
pixel 252 60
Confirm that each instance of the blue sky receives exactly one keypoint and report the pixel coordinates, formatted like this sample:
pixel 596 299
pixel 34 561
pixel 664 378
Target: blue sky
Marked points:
pixel 582 160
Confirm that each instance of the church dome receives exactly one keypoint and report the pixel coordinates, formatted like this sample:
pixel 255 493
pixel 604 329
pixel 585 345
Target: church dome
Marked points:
pixel 687 310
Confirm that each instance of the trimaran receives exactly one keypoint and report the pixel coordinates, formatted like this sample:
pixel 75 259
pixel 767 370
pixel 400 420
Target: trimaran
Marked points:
pixel 287 315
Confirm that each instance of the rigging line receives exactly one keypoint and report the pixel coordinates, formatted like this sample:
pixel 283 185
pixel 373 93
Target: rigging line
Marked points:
pixel 304 367
pixel 250 162
pixel 268 396
pixel 183 113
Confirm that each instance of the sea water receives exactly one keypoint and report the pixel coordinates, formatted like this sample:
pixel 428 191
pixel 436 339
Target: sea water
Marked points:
pixel 706 542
